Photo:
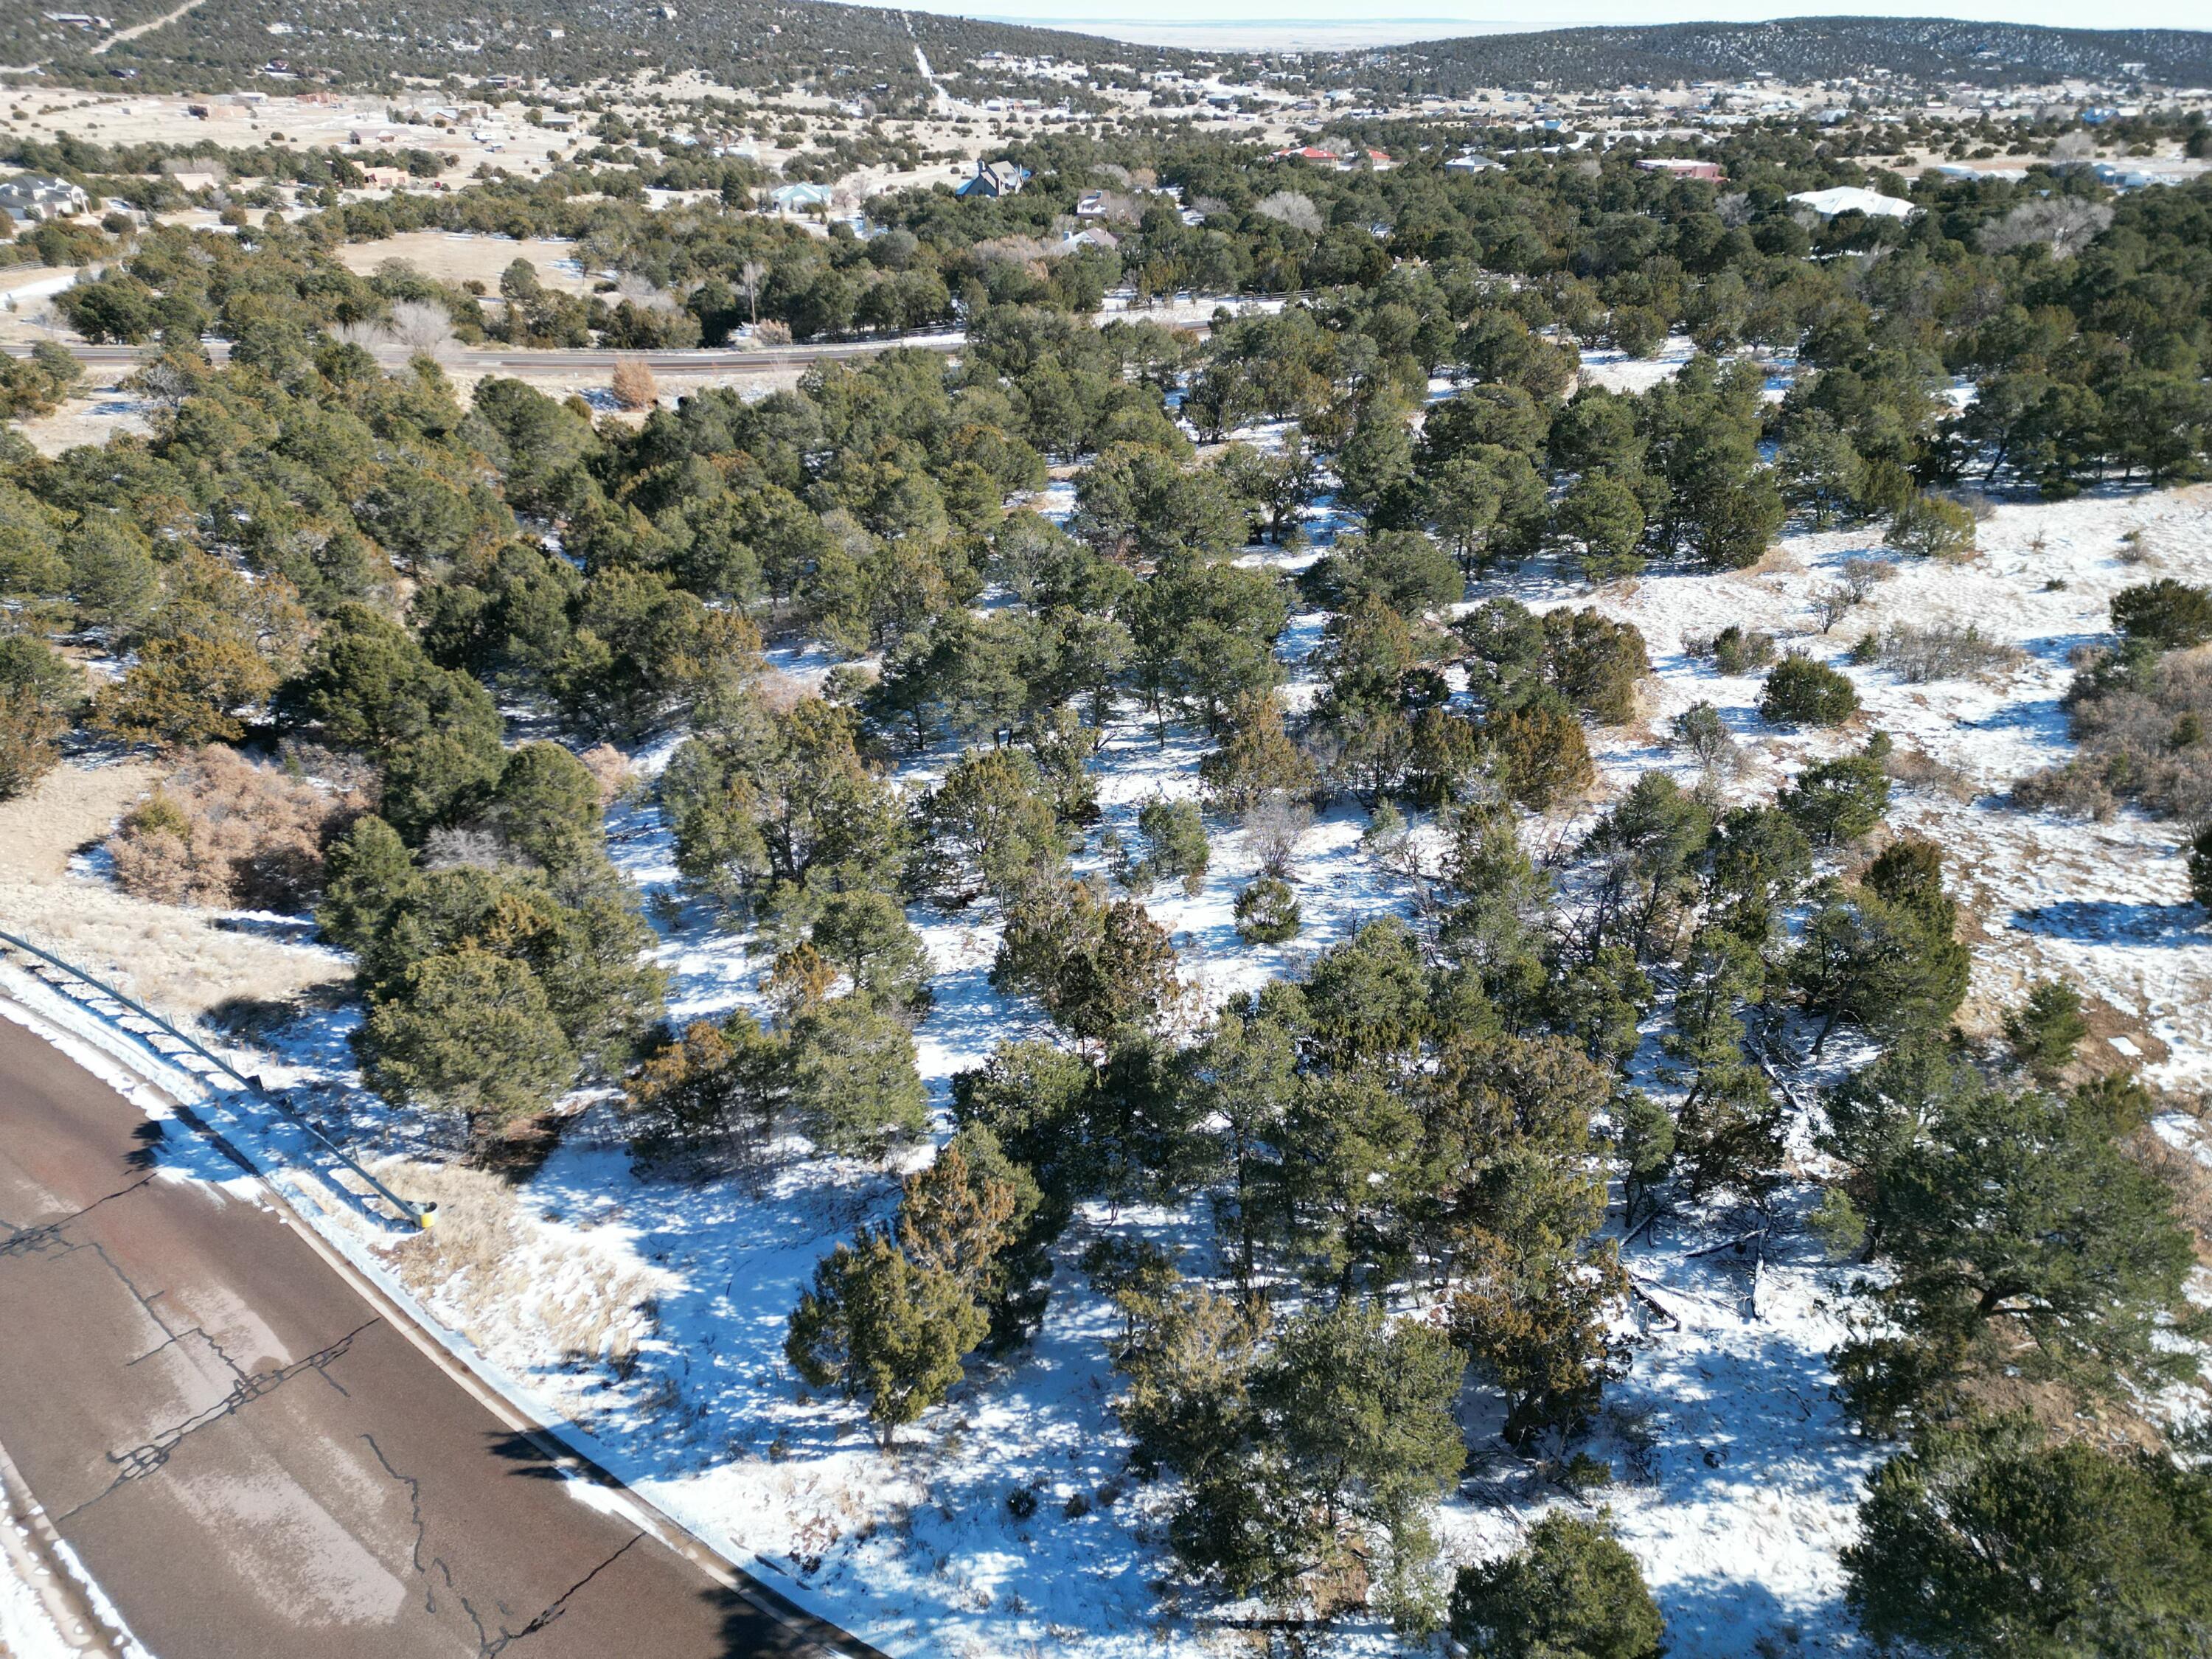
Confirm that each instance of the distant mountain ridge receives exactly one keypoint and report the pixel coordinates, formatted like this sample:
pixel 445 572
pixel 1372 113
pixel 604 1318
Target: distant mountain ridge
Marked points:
pixel 872 50
pixel 1798 49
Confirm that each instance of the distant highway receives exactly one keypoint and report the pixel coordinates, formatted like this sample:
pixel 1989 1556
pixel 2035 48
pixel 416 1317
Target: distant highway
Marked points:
pixel 512 360
pixel 254 1456
pixel 522 360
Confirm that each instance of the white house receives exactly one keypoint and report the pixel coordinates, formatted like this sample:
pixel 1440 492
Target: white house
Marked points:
pixel 1854 198
pixel 31 197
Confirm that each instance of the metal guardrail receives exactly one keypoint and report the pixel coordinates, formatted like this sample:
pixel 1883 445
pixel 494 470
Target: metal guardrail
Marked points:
pixel 413 1215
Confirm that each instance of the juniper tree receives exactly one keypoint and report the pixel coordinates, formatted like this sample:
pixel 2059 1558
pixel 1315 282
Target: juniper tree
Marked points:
pixel 2019 1237
pixel 712 1092
pixel 468 1032
pixel 1569 1592
pixel 883 1330
pixel 1731 1122
pixel 1984 1541
pixel 1838 800
pixel 853 1080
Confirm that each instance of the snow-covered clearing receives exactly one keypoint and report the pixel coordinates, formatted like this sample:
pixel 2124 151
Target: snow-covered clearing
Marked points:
pixel 651 1312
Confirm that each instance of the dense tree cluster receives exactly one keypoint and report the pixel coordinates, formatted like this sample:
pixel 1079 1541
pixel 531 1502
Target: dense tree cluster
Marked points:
pixel 425 613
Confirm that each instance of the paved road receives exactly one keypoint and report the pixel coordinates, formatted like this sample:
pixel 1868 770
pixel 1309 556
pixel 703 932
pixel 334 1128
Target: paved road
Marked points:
pixel 503 361
pixel 254 1461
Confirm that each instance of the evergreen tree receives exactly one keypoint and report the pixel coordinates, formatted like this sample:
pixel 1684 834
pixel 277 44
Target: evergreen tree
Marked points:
pixel 466 1032
pixel 1570 1592
pixel 883 1330
pixel 1983 1541
pixel 852 1079
pixel 2019 1239
pixel 991 824
pixel 1361 1405
pixel 39 692
pixel 1730 1129
pixel 1838 800
pixel 711 1093
pixel 1804 692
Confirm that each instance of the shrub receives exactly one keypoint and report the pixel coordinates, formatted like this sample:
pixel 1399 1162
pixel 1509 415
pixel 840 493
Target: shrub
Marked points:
pixel 1546 756
pixel 1802 691
pixel 1861 574
pixel 2167 614
pixel 1738 650
pixel 2141 718
pixel 39 690
pixel 1701 730
pixel 1572 1592
pixel 186 691
pixel 1174 835
pixel 1945 651
pixel 1268 911
pixel 1594 662
pixel 2200 867
pixel 2043 1031
pixel 1933 527
pixel 224 831
pixel 634 384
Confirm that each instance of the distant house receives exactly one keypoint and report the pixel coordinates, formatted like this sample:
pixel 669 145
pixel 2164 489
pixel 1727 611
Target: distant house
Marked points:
pixel 1096 236
pixel 797 198
pixel 1854 198
pixel 33 198
pixel 1471 164
pixel 996 178
pixel 1313 153
pixel 1092 205
pixel 1708 171
pixel 2137 178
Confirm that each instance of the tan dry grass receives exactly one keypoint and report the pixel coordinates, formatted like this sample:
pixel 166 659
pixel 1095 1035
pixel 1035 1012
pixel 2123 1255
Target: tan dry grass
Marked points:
pixel 449 259
pixel 174 960
pixel 509 1282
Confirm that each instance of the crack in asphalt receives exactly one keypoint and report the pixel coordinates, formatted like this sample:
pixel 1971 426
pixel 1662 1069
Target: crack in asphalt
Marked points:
pixel 142 1461
pixel 488 1646
pixel 560 1605
pixel 175 1337
pixel 30 1241
pixel 422 1568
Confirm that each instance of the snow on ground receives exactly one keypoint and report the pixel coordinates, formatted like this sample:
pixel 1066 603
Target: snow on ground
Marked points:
pixel 1616 371
pixel 1735 1478
pixel 2104 904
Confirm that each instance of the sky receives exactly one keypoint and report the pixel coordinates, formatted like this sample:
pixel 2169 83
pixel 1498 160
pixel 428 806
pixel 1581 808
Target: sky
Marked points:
pixel 1294 23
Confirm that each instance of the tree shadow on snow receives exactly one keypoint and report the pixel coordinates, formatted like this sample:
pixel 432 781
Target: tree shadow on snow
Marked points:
pixel 2115 921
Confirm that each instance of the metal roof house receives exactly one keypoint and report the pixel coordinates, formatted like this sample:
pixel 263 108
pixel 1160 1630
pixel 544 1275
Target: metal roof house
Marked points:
pixel 790 198
pixel 994 179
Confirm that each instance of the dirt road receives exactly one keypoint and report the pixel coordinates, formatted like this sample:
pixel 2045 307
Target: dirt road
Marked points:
pixel 253 1458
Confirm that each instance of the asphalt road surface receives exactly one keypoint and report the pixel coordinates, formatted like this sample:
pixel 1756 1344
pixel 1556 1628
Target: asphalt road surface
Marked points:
pixel 254 1460
pixel 516 360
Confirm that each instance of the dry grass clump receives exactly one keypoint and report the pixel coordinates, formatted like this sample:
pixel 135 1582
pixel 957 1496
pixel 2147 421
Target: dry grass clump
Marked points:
pixel 1945 652
pixel 612 770
pixel 1918 769
pixel 224 831
pixel 488 1263
pixel 2145 738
